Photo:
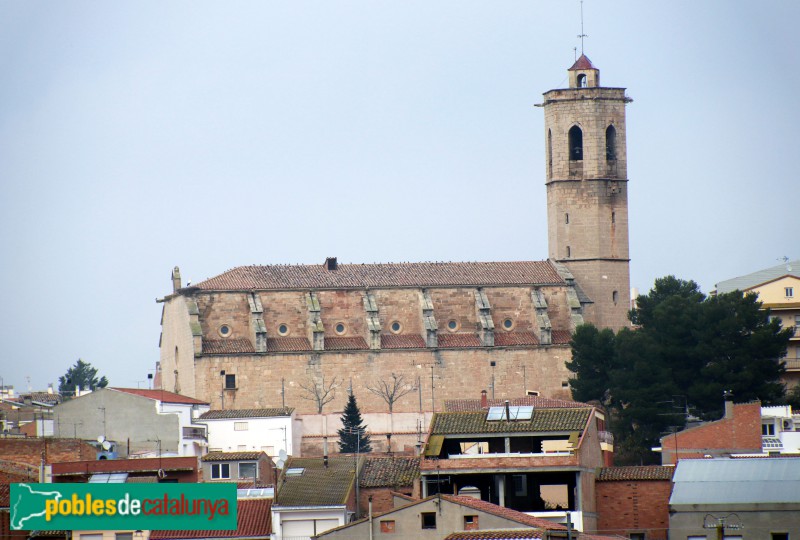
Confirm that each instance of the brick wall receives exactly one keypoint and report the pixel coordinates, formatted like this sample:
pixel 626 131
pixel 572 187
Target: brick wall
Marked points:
pixel 738 432
pixel 55 450
pixel 625 507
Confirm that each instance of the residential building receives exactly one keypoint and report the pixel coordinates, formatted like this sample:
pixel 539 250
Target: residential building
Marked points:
pixel 778 288
pixel 436 517
pixel 139 470
pixel 536 460
pixel 267 336
pixel 245 468
pixel 738 432
pixel 385 476
pixel 315 495
pixel 747 498
pixel 780 430
pixel 140 422
pixel 248 430
pixel 633 501
pixel 29 459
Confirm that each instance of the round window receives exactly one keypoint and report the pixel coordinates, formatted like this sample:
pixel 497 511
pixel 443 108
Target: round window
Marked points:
pixel 283 329
pixel 225 330
pixel 452 325
pixel 508 324
pixel 396 327
pixel 340 328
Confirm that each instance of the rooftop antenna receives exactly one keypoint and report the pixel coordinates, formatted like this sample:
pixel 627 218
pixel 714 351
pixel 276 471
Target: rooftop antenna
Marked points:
pixel 785 260
pixel 582 34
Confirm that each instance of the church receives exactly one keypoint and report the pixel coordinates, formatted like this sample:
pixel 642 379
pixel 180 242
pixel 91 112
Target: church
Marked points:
pixel 405 337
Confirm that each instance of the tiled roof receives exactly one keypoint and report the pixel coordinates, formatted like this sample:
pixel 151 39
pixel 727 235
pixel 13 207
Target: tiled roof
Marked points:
pixel 463 405
pixel 246 413
pixel 507 513
pixel 46 397
pixel 455 341
pixel 582 63
pixel 227 346
pixel 359 276
pixel 253 520
pixel 183 463
pixel 561 337
pixel 345 343
pixel 389 472
pixel 402 341
pixel 162 396
pixel 509 339
pixel 559 419
pixel 649 472
pixel 232 456
pixel 288 344
pixel 318 485
pixel 749 281
pixel 506 534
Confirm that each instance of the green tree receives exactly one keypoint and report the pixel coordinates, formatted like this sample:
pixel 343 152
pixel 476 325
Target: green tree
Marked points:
pixel 353 436
pixel 82 375
pixel 686 345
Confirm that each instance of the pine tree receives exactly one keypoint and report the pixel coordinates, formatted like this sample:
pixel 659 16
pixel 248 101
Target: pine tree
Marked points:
pixel 353 436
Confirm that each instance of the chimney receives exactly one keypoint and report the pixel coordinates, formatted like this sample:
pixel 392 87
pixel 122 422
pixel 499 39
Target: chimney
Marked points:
pixel 484 400
pixel 176 279
pixel 728 403
pixel 331 264
pixel 508 413
pixel 50 388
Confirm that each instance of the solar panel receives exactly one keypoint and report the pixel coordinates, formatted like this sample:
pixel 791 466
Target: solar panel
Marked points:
pixel 496 413
pixel 523 412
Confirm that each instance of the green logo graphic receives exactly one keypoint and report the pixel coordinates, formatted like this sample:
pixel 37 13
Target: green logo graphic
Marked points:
pixel 52 507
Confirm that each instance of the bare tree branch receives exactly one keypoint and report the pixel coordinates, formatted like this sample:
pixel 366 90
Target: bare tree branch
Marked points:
pixel 318 391
pixel 391 390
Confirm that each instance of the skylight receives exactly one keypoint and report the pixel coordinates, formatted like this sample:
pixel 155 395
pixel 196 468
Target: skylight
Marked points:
pixel 295 471
pixel 522 412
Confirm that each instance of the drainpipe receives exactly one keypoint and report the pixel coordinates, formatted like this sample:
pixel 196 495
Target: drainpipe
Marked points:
pixel 370 517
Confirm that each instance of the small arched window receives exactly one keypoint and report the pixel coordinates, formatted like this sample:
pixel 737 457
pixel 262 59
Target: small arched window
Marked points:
pixel 569 252
pixel 611 143
pixel 566 219
pixel 549 153
pixel 582 81
pixel 575 144
pixel 615 297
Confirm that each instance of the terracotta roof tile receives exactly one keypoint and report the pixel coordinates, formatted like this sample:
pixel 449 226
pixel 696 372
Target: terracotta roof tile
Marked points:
pixel 345 343
pixel 288 344
pixel 464 405
pixel 359 276
pixel 233 456
pixel 227 346
pixel 648 472
pixel 402 341
pixel 559 419
pixel 457 341
pixel 246 413
pixel 45 397
pixel 389 472
pixel 253 520
pixel 582 63
pixel 161 395
pixel 510 339
pixel 507 513
pixel 184 463
pixel 500 534
pixel 561 337
pixel 317 485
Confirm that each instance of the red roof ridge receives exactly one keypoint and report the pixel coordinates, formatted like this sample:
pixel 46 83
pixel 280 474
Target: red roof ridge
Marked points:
pixel 502 511
pixel 160 395
pixel 582 63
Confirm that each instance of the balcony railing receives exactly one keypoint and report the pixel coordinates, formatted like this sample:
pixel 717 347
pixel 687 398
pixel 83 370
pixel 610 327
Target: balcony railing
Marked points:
pixel 194 433
pixel 606 437
pixel 792 364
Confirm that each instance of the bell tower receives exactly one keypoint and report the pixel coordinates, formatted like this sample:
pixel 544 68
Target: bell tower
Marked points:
pixel 587 190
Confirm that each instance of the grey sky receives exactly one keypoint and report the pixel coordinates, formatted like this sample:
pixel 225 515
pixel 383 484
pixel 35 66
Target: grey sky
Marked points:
pixel 142 135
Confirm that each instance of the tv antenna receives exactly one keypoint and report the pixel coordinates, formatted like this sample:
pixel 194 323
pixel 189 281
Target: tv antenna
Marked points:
pixel 582 34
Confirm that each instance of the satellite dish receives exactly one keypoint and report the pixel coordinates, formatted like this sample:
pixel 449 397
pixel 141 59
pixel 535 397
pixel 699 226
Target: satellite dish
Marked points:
pixel 283 455
pixel 101 439
pixel 280 463
pixel 106 445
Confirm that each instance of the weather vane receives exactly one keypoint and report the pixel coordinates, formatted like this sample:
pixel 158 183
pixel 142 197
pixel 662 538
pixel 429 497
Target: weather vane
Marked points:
pixel 582 34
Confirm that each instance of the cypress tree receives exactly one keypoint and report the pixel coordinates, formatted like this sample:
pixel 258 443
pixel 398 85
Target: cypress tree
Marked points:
pixel 353 435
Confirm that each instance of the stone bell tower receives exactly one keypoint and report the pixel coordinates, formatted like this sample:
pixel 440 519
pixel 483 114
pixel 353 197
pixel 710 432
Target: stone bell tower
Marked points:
pixel 587 190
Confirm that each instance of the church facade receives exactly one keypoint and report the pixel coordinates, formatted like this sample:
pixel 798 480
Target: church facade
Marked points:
pixel 405 337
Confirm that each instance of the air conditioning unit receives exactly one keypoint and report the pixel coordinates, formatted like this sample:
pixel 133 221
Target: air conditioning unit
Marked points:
pixel 788 425
pixel 105 454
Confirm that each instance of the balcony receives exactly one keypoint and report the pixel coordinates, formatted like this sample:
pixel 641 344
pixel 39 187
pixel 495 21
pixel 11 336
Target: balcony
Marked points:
pixel 792 364
pixel 194 433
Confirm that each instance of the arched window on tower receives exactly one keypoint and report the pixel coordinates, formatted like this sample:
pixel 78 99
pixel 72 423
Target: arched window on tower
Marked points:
pixel 575 144
pixel 582 81
pixel 549 153
pixel 611 143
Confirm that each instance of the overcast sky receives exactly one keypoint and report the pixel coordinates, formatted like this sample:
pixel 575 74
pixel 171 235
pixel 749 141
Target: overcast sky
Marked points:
pixel 137 136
